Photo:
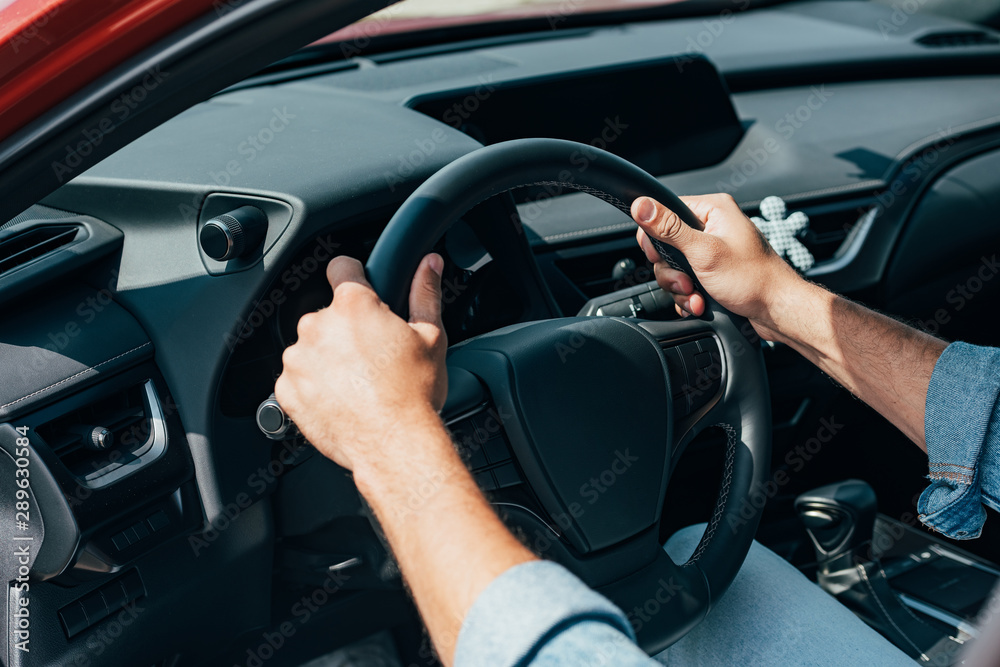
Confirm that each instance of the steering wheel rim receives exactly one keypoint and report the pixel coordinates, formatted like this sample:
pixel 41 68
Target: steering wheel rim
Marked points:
pixel 629 573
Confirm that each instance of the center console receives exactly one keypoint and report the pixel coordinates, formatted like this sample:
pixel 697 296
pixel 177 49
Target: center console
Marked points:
pixel 923 594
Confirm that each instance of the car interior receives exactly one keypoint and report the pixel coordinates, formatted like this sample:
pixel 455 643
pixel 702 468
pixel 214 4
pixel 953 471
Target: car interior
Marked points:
pixel 148 301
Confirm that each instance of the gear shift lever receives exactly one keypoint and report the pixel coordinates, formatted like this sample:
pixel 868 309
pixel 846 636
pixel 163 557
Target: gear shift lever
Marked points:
pixel 840 521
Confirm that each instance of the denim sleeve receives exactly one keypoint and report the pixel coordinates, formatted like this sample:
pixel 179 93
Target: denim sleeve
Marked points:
pixel 537 614
pixel 962 427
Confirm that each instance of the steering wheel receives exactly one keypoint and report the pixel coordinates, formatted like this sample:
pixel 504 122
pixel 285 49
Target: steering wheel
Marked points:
pixel 582 397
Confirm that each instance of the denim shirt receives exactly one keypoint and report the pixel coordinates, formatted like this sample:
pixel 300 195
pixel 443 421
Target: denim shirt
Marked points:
pixel 962 431
pixel 538 613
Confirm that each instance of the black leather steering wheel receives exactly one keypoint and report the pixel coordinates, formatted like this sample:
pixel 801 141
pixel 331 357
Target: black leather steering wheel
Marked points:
pixel 582 396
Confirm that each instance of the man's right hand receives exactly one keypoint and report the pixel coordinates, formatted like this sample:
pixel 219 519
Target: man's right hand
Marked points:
pixel 881 361
pixel 731 259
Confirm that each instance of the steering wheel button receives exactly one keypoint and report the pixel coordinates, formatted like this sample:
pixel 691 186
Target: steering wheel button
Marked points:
pixel 120 541
pixel 485 481
pixel 676 369
pixel 73 618
pixel 132 583
pixel 497 451
pixel 140 530
pixel 703 360
pixel 506 475
pixel 95 607
pixel 476 456
pixel 115 596
pixel 158 520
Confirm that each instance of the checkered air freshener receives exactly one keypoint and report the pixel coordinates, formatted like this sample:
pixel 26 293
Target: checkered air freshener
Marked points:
pixel 781 232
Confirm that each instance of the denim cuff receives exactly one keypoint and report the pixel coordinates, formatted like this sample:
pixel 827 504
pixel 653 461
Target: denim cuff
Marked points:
pixel 960 427
pixel 524 608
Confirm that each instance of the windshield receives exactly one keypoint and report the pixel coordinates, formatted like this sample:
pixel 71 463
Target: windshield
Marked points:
pixel 417 15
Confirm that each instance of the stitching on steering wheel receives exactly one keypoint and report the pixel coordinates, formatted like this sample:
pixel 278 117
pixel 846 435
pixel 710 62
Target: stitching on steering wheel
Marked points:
pixel 661 248
pixel 720 504
pixel 600 194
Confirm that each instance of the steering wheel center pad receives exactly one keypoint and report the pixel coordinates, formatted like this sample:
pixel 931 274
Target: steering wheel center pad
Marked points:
pixel 588 407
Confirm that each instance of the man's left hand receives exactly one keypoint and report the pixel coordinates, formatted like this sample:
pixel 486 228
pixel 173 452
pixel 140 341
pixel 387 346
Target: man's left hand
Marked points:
pixel 359 374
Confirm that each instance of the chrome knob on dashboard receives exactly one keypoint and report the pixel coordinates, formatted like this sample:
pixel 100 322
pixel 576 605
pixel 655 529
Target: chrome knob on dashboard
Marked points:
pixel 234 234
pixel 272 420
pixel 96 438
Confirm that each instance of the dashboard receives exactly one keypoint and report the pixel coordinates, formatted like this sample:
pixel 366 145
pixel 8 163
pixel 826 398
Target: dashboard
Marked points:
pixel 881 139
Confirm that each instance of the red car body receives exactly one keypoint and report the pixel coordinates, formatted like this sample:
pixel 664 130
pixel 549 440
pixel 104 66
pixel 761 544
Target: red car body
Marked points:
pixel 53 48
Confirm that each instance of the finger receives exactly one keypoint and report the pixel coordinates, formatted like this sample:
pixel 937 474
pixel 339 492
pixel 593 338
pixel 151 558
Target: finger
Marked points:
pixel 672 280
pixel 343 270
pixel 647 247
pixel 425 291
pixel 693 304
pixel 662 223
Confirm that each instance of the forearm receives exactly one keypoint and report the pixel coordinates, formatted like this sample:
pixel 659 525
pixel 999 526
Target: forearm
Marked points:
pixel 448 541
pixel 885 363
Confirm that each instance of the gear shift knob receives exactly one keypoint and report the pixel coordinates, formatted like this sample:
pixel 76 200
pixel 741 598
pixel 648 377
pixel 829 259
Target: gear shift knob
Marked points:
pixel 840 521
pixel 839 518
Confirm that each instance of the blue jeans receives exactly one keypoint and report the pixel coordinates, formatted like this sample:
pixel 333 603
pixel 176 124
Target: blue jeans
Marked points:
pixel 773 615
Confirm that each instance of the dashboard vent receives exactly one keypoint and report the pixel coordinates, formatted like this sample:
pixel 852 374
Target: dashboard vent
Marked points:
pixel 592 271
pixel 30 245
pixel 958 38
pixel 105 439
pixel 593 274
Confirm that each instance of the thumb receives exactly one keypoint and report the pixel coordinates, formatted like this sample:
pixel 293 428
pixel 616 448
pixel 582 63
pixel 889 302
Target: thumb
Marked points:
pixel 425 292
pixel 659 222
